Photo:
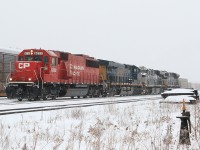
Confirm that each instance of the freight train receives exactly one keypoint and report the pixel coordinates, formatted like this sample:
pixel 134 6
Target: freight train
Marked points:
pixel 42 74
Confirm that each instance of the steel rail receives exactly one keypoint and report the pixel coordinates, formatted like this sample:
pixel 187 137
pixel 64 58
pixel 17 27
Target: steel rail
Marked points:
pixel 64 106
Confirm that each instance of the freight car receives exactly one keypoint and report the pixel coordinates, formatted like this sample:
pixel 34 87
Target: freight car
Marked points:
pixel 7 59
pixel 42 74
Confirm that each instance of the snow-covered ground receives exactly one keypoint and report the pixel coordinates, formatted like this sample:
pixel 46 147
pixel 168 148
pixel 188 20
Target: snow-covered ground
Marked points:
pixel 141 125
pixel 179 99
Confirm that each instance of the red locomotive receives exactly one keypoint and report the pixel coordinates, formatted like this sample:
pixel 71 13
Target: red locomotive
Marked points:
pixel 43 73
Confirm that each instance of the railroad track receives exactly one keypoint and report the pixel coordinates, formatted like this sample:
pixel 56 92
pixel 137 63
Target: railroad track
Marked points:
pixel 50 106
pixel 5 101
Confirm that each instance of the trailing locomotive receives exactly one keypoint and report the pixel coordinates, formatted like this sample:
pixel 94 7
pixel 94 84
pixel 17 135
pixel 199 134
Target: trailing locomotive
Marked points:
pixel 155 81
pixel 118 79
pixel 42 74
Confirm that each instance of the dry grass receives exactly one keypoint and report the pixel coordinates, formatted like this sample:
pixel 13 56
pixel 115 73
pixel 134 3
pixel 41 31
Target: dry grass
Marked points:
pixel 77 113
pixel 115 127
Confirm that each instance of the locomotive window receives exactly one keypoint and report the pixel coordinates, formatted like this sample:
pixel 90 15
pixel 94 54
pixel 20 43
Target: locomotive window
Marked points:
pixel 21 58
pixel 29 58
pixel 135 70
pixel 46 60
pixel 33 58
pixel 53 62
pixel 93 64
pixel 37 58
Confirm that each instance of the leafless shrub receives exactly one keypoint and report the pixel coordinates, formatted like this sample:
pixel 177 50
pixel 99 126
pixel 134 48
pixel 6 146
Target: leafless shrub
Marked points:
pixel 24 147
pixel 111 141
pixel 57 141
pixel 168 137
pixel 69 145
pixel 111 109
pixel 77 113
pixel 80 133
pixel 4 136
pixel 35 139
pixel 96 132
pixel 129 138
pixel 76 133
pixel 45 136
pixel 196 124
pixel 67 113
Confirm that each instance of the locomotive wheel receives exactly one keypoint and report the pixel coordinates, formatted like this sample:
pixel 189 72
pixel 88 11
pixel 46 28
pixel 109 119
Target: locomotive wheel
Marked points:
pixel 44 98
pixel 36 99
pixel 53 97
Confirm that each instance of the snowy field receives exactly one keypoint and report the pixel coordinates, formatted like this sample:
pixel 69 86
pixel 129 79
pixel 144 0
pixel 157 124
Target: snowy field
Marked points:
pixel 149 125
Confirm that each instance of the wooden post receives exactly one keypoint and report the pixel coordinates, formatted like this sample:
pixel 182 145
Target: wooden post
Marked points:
pixel 185 127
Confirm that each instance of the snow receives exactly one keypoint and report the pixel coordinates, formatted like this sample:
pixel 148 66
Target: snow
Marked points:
pixel 9 50
pixel 180 91
pixel 179 98
pixel 139 125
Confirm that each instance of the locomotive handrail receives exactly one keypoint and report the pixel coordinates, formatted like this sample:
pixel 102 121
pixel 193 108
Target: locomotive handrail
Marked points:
pixel 7 78
pixel 37 78
pixel 21 82
pixel 41 74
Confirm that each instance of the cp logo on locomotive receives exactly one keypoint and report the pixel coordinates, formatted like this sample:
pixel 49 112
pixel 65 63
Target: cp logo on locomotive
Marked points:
pixel 23 65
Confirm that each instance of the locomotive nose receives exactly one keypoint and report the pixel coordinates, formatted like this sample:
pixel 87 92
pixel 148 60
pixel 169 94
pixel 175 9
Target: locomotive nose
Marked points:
pixel 26 71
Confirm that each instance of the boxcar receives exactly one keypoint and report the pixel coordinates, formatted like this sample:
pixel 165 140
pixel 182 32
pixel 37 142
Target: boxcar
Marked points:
pixel 7 59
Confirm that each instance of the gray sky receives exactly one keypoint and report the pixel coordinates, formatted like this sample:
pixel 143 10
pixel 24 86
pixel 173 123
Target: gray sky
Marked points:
pixel 157 34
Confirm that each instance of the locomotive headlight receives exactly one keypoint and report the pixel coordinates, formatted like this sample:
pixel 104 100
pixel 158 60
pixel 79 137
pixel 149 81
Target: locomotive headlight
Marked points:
pixel 31 52
pixel 10 79
pixel 29 79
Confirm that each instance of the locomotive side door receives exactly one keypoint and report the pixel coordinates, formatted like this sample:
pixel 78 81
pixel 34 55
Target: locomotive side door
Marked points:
pixel 46 64
pixel 53 71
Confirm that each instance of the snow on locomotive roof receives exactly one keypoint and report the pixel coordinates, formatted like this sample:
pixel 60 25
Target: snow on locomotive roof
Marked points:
pixel 9 50
pixel 51 53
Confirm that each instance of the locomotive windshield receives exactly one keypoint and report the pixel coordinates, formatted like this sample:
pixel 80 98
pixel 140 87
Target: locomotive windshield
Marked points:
pixel 30 58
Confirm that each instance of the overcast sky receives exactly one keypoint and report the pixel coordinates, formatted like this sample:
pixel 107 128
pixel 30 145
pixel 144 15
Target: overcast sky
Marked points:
pixel 158 34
